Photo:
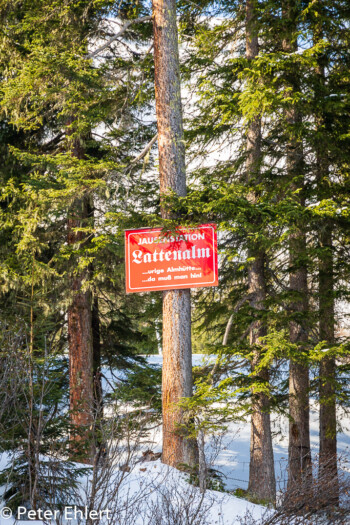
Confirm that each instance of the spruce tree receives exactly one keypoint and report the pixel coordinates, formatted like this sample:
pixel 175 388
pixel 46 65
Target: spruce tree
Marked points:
pixel 262 482
pixel 299 453
pixel 67 96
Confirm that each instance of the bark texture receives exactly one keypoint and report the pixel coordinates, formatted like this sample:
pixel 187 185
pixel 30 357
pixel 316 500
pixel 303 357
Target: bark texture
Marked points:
pixel 177 353
pixel 168 100
pixel 96 342
pixel 177 377
pixel 299 454
pixel 80 341
pixel 262 483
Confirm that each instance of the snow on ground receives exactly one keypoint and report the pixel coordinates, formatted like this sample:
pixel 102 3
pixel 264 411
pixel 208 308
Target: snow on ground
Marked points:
pixel 233 458
pixel 151 487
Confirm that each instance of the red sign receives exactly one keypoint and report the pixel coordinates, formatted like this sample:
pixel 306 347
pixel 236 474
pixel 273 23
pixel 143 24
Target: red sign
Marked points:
pixel 156 260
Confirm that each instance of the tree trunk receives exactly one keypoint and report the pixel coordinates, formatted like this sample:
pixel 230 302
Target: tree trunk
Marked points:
pixel 177 353
pixel 328 469
pixel 262 483
pixel 328 422
pixel 96 342
pixel 176 378
pixel 80 341
pixel 299 452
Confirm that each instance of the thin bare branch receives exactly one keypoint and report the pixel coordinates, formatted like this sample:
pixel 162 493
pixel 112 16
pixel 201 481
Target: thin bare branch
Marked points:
pixel 116 36
pixel 144 152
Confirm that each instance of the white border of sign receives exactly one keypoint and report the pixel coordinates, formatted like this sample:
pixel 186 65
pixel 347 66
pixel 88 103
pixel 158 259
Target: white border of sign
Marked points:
pixel 175 285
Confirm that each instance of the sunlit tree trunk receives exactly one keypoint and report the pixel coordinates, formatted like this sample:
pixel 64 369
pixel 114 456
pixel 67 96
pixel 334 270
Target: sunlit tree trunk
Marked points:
pixel 262 483
pixel 177 353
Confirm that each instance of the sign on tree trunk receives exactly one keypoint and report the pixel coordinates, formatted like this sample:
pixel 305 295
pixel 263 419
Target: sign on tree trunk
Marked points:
pixel 156 260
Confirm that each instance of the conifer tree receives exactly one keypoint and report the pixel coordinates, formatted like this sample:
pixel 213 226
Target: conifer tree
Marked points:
pixel 328 422
pixel 262 482
pixel 66 98
pixel 299 453
pixel 331 56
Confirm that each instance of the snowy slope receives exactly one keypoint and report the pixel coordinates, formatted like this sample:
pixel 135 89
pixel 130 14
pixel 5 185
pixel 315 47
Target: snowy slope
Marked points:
pixel 233 458
pixel 151 489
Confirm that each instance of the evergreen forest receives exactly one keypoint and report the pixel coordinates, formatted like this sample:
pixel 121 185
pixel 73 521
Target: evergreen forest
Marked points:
pixel 225 403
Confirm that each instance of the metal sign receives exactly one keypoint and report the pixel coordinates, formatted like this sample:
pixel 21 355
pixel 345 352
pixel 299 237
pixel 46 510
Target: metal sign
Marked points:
pixel 186 258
